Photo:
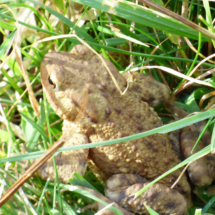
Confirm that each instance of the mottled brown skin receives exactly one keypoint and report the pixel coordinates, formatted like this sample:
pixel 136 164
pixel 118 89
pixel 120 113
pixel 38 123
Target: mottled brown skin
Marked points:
pixel 81 91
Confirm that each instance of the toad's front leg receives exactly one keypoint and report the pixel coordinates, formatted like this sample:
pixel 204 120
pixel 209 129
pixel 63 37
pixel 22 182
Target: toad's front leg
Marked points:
pixel 67 162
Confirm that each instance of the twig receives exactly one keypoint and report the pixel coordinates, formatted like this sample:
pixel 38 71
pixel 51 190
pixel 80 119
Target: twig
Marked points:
pixel 31 171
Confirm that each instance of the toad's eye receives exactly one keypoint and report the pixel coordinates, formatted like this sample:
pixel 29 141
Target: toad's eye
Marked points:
pixel 53 85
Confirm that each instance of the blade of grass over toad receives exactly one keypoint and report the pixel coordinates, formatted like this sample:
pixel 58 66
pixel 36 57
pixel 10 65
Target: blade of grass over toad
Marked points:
pixel 144 16
pixel 151 211
pixel 163 129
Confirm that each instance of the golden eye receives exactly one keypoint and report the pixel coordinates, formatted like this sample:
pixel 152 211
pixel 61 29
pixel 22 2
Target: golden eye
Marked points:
pixel 53 85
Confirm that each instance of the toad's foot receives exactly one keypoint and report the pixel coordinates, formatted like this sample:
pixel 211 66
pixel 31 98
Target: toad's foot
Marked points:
pixel 201 171
pixel 121 188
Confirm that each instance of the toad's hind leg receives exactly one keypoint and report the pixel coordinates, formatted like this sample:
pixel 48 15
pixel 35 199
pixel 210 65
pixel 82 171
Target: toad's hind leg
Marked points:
pixel 147 88
pixel 122 188
pixel 67 162
pixel 201 171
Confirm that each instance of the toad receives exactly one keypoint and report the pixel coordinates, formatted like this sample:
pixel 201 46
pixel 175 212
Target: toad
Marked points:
pixel 82 92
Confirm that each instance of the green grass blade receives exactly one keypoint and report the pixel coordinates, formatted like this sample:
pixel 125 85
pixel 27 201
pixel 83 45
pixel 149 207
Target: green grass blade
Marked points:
pixel 7 26
pixel 89 195
pixel 163 129
pixel 213 140
pixel 7 43
pixel 198 212
pixel 120 35
pixel 38 128
pixel 151 211
pixel 80 32
pixel 143 16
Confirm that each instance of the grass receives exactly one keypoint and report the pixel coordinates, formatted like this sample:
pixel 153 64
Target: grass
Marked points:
pixel 154 41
